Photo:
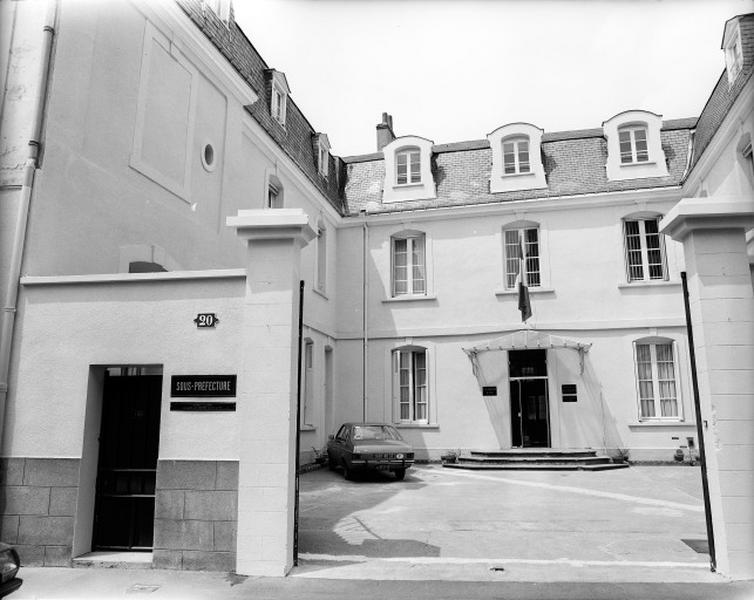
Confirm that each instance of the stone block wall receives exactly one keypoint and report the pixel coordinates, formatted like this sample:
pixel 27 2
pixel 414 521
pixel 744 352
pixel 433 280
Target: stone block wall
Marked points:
pixel 196 512
pixel 37 506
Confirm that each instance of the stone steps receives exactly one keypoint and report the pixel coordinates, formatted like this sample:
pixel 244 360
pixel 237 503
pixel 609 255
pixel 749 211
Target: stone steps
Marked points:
pixel 535 459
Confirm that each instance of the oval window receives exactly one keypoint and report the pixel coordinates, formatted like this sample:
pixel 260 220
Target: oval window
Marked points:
pixel 208 157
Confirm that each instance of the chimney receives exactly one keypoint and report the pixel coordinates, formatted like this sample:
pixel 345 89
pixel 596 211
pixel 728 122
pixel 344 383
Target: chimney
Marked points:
pixel 385 133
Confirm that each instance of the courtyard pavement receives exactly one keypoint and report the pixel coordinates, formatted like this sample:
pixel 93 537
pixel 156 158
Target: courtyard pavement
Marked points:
pixel 443 524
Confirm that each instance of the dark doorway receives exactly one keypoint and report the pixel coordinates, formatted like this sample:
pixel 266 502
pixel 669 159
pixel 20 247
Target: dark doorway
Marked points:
pixel 127 467
pixel 530 426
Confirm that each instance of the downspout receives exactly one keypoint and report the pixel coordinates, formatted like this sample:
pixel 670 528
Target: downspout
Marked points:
pixel 8 311
pixel 364 317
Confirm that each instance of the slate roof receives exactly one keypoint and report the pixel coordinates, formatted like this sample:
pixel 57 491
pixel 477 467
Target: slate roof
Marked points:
pixel 297 138
pixel 574 163
pixel 724 95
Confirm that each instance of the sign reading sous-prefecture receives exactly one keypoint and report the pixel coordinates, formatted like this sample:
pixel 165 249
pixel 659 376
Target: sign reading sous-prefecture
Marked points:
pixel 203 386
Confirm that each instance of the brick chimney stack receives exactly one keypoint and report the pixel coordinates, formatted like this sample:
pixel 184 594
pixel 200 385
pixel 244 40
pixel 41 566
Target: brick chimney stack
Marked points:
pixel 385 133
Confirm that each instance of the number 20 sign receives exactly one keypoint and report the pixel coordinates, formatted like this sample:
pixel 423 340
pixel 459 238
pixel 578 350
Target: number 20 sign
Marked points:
pixel 206 320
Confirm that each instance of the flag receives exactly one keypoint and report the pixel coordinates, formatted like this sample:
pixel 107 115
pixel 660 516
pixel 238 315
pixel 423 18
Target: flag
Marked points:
pixel 524 304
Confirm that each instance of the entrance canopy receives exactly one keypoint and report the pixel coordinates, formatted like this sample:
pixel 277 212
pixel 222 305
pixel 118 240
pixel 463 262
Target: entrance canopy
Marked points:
pixel 525 339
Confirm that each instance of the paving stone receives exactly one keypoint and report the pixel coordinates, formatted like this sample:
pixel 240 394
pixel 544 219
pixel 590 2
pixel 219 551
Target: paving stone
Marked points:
pixel 9 529
pixel 167 559
pixel 31 555
pixel 26 500
pixel 209 561
pixel 227 475
pixel 225 535
pixel 11 471
pixel 186 474
pixel 63 501
pixel 34 530
pixel 212 506
pixel 170 534
pixel 169 504
pixel 57 472
pixel 57 556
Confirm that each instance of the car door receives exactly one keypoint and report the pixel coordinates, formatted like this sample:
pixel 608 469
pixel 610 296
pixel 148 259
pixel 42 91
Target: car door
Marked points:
pixel 339 444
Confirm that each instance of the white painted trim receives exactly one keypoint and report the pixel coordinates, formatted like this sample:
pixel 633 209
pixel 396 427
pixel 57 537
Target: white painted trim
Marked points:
pixel 655 166
pixel 510 326
pixel 535 178
pixel 649 196
pixel 190 40
pixel 724 135
pixel 106 278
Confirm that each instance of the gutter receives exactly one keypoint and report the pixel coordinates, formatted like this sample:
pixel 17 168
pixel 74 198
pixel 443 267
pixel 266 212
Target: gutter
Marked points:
pixel 10 300
pixel 364 318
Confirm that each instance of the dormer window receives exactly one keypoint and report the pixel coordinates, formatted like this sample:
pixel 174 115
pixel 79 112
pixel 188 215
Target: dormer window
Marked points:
pixel 516 155
pixel 279 92
pixel 516 158
pixel 408 170
pixel 634 146
pixel 323 153
pixel 734 58
pixel 408 166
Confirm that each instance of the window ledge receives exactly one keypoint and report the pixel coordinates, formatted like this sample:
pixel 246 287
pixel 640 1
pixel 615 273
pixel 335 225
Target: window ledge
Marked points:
pixel 646 163
pixel 656 283
pixel 307 428
pixel 402 186
pixel 652 424
pixel 319 292
pixel 416 426
pixel 408 298
pixel 507 175
pixel 532 290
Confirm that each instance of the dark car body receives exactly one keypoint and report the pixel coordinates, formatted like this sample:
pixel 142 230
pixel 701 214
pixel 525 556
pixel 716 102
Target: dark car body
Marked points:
pixel 9 565
pixel 362 446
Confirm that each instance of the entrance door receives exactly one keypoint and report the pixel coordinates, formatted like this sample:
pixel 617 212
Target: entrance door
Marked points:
pixel 530 426
pixel 129 435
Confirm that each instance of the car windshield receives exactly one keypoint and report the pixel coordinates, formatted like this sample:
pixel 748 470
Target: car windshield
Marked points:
pixel 375 432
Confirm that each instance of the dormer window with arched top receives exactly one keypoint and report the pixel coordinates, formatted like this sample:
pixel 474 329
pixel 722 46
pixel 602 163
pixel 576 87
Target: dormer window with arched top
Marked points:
pixel 408 170
pixel 516 158
pixel 634 146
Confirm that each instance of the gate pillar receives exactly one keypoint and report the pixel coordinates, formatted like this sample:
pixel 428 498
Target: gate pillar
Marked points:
pixel 267 388
pixel 713 233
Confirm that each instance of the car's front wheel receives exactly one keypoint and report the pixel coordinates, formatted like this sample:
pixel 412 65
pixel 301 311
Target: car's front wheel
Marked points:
pixel 400 474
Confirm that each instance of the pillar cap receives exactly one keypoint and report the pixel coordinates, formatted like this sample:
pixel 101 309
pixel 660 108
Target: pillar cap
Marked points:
pixel 272 223
pixel 692 214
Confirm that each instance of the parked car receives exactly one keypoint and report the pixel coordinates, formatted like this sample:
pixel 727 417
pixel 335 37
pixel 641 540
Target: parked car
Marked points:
pixel 9 565
pixel 361 446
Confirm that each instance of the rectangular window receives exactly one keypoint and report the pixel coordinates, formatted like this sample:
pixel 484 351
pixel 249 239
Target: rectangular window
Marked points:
pixel 645 251
pixel 274 200
pixel 411 385
pixel 516 156
pixel 655 374
pixel 308 395
pixel 633 145
pixel 277 105
pixel 408 167
pixel 515 239
pixel 409 270
pixel 322 259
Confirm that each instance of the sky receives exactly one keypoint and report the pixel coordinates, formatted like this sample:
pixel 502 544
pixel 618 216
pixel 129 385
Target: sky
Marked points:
pixel 454 70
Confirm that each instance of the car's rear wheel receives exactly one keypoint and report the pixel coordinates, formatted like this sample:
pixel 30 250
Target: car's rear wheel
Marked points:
pixel 400 474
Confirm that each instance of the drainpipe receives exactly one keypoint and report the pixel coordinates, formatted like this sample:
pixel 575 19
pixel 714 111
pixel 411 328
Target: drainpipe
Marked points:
pixel 8 311
pixel 364 315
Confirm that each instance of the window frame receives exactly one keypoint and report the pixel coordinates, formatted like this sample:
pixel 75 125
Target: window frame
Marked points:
pixel 533 278
pixel 278 104
pixel 320 284
pixel 413 168
pixel 656 381
pixel 644 249
pixel 412 352
pixel 307 383
pixel 635 155
pixel 410 239
pixel 516 142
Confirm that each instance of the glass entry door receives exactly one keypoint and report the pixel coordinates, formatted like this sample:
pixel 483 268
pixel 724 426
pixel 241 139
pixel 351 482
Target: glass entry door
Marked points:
pixel 530 424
